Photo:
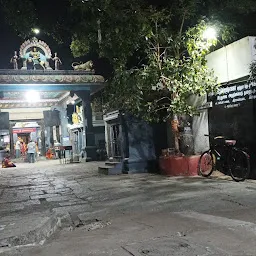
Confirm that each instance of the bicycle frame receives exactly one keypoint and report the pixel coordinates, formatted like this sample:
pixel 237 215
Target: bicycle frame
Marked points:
pixel 221 158
pixel 227 158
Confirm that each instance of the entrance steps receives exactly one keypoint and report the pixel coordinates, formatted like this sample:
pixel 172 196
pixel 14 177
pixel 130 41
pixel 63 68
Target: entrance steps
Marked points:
pixel 111 167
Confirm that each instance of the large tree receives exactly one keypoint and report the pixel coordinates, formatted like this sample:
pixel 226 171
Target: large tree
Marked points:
pixel 155 47
pixel 176 69
pixel 116 23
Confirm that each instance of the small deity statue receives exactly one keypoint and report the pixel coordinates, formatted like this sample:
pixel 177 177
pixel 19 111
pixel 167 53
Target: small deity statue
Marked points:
pixel 14 60
pixel 34 56
pixel 57 61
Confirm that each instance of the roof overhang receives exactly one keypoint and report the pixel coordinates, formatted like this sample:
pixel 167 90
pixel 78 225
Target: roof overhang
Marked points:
pixel 46 81
pixel 19 80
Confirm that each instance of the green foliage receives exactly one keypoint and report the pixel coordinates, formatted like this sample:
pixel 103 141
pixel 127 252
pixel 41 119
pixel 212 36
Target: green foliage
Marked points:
pixel 253 71
pixel 20 15
pixel 79 47
pixel 116 37
pixel 174 72
pixel 157 65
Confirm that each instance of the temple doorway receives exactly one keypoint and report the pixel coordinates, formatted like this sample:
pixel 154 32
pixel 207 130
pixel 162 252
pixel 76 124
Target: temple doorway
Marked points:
pixel 115 140
pixel 24 137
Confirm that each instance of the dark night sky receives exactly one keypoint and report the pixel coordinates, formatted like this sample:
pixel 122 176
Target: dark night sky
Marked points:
pixel 10 41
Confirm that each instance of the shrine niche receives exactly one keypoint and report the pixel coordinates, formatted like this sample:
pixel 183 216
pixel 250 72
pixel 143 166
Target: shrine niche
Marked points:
pixel 35 55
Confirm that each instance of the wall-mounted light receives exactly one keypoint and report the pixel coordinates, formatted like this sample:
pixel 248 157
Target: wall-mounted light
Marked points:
pixel 210 34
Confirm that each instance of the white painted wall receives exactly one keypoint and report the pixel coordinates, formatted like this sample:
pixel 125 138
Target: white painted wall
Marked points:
pixel 200 125
pixel 229 63
pixel 232 61
pixel 25 113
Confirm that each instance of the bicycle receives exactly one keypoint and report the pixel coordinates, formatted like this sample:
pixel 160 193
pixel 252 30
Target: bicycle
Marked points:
pixel 233 160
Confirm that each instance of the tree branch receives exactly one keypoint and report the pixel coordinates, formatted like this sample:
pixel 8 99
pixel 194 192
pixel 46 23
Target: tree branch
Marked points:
pixel 164 98
pixel 158 109
pixel 182 22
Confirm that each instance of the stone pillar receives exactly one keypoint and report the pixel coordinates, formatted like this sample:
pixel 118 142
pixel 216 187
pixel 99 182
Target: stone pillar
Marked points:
pixel 51 137
pixel 47 137
pixel 12 151
pixel 58 133
pixel 89 146
pixel 63 129
pixel 43 147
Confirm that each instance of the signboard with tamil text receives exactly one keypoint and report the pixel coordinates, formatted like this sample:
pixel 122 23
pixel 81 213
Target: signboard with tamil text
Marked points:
pixel 233 115
pixel 231 96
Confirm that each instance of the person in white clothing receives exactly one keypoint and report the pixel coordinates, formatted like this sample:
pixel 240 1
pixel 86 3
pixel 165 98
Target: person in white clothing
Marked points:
pixel 17 148
pixel 31 151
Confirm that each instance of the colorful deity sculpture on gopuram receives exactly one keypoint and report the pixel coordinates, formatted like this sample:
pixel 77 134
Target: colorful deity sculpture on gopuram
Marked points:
pixel 36 55
pixel 34 60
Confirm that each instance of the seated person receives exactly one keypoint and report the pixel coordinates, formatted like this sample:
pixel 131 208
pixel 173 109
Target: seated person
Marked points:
pixel 7 163
pixel 49 154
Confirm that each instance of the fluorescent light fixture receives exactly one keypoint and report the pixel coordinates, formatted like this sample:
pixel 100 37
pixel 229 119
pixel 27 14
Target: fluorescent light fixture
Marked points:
pixel 32 96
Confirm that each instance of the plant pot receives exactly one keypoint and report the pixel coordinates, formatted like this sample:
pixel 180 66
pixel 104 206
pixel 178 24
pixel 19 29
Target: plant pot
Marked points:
pixel 179 165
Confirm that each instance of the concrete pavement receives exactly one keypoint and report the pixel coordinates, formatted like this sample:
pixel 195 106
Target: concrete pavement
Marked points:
pixel 52 209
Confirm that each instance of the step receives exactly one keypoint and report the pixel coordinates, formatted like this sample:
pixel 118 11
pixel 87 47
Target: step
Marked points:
pixel 104 169
pixel 28 229
pixel 111 163
pixel 115 159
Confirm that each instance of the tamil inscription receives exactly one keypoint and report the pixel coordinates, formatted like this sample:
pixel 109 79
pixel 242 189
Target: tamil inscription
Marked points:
pixel 233 95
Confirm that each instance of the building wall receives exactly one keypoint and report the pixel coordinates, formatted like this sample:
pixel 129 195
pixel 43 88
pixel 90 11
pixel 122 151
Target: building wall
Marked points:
pixel 62 108
pixel 25 113
pixel 233 112
pixel 200 125
pixel 232 61
pixel 229 63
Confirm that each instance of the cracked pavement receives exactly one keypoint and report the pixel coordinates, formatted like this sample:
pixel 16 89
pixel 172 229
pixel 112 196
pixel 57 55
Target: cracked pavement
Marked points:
pixel 138 214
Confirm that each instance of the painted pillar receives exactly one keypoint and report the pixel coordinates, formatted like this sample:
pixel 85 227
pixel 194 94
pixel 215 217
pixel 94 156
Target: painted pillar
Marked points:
pixel 88 133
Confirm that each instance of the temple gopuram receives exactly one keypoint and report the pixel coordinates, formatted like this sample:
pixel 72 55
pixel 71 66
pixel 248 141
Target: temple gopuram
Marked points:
pixel 36 98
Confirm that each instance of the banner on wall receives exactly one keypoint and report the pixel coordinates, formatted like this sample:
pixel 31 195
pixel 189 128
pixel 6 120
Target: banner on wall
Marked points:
pixel 24 130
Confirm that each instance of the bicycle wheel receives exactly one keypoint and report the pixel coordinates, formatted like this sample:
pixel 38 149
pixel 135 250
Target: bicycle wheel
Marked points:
pixel 239 165
pixel 206 164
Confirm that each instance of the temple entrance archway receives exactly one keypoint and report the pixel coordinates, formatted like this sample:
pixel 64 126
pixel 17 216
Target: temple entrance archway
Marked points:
pixel 34 93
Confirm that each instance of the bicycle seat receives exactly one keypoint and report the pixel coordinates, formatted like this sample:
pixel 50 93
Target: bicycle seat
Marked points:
pixel 219 141
pixel 230 142
pixel 219 138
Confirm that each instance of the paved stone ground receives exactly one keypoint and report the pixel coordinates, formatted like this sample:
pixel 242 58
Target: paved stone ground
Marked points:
pixel 122 215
